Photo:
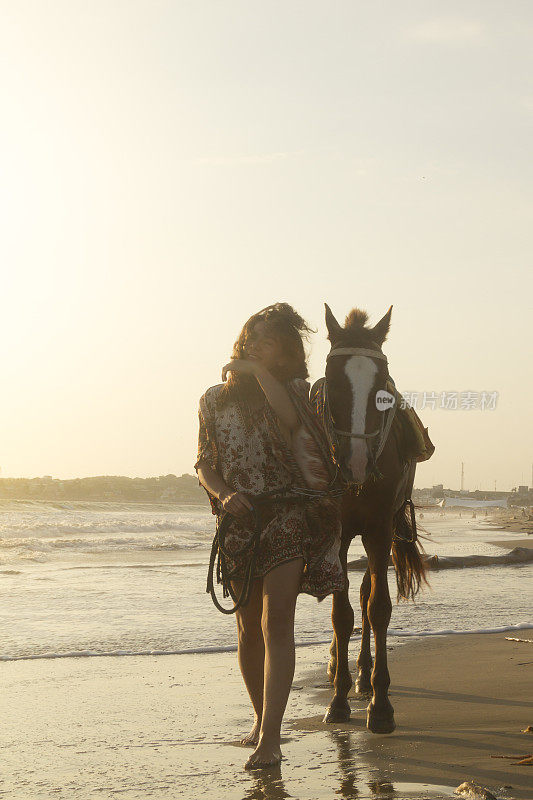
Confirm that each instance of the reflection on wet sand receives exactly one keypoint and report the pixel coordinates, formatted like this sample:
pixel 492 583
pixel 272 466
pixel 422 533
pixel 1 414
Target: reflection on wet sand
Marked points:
pixel 378 787
pixel 268 785
pixel 348 772
pixel 357 780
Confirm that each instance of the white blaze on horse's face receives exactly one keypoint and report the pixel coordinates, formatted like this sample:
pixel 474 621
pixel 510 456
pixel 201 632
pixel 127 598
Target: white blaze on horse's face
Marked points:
pixel 361 372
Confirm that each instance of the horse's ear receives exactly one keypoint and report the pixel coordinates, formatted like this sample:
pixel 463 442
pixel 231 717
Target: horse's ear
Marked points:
pixel 334 329
pixel 380 330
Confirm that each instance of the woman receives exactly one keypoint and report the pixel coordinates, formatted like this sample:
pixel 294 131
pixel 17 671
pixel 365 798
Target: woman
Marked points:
pixel 259 434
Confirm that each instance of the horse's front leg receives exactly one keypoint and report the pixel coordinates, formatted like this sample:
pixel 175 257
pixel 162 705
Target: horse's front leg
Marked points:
pixel 380 713
pixel 364 661
pixel 343 618
pixel 332 663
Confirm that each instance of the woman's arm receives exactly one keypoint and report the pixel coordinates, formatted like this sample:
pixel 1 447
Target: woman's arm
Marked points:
pixel 275 393
pixel 234 502
pixel 279 400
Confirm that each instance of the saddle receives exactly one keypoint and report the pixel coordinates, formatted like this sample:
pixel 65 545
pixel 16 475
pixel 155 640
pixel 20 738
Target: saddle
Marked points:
pixel 413 437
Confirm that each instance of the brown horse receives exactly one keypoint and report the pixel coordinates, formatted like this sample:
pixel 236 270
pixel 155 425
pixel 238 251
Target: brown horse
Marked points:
pixel 368 452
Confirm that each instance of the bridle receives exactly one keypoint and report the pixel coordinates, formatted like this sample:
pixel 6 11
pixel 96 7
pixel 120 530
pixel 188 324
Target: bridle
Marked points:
pixel 376 440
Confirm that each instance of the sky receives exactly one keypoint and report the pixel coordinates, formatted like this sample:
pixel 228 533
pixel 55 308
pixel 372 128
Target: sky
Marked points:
pixel 169 168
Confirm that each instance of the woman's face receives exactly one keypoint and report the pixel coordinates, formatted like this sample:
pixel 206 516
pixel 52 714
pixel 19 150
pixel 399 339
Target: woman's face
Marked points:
pixel 264 347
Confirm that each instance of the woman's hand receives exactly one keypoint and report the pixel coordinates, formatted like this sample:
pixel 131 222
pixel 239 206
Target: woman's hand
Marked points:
pixel 233 502
pixel 246 366
pixel 236 503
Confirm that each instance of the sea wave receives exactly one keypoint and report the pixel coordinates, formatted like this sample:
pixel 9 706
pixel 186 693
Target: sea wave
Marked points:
pixel 34 550
pixel 153 565
pixel 519 555
pixel 41 536
pixel 16 525
pixel 13 504
pixel 392 632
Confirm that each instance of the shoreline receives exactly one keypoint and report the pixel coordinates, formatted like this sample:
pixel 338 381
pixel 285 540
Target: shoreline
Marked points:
pixel 170 726
pixel 395 636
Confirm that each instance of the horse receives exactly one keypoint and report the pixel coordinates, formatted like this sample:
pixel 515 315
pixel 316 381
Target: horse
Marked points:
pixel 377 505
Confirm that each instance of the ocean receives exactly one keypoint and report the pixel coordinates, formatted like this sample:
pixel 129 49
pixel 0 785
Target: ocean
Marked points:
pixel 116 579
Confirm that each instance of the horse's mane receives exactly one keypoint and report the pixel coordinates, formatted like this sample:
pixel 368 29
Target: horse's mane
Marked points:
pixel 356 332
pixel 357 318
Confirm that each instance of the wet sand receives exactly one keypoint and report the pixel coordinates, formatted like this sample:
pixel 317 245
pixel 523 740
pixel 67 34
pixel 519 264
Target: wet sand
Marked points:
pixel 168 726
pixel 458 701
pixel 513 519
pixel 512 543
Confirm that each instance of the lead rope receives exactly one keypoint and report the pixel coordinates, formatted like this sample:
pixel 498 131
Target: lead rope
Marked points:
pixel 414 535
pixel 219 554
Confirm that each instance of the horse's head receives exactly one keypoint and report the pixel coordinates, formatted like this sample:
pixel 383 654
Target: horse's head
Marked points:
pixel 356 370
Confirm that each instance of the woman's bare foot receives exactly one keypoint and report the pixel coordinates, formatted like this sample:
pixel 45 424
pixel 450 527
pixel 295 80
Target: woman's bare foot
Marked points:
pixel 265 755
pixel 253 737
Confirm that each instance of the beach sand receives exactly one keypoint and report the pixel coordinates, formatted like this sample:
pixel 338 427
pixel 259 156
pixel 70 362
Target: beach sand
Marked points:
pixel 512 543
pixel 513 519
pixel 168 726
pixel 458 700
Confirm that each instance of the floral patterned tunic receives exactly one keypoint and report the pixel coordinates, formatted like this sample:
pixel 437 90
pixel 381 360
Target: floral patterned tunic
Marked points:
pixel 247 449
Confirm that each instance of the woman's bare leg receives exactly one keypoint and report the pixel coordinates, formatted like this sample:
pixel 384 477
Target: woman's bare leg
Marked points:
pixel 280 592
pixel 251 652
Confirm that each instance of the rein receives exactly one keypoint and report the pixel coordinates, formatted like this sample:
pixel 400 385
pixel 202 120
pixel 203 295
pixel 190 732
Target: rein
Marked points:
pixel 250 549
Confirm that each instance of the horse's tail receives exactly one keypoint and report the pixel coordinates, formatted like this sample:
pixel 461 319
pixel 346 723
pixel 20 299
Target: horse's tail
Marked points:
pixel 407 553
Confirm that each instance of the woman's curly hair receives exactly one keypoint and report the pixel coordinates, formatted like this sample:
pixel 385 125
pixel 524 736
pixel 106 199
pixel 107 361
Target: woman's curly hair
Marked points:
pixel 285 324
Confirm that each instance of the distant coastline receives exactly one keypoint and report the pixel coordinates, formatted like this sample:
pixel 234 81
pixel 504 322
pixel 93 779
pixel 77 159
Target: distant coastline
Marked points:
pixel 101 488
pixel 168 489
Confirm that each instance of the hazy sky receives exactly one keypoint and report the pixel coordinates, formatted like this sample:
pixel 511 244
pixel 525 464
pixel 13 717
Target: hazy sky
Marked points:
pixel 168 168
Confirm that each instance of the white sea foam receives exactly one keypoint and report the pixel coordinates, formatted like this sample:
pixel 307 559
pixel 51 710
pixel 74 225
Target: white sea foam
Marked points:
pixel 46 532
pixel 97 545
pixel 17 524
pixel 156 566
pixel 451 632
pixel 233 648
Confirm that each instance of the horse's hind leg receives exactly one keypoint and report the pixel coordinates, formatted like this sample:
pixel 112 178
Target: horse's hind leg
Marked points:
pixel 380 713
pixel 342 617
pixel 363 684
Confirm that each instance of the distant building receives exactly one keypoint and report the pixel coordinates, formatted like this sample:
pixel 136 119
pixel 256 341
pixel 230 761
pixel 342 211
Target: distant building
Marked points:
pixel 469 502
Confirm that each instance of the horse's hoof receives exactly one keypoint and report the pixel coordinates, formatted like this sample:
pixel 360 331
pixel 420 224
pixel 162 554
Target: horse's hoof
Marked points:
pixel 338 713
pixel 377 723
